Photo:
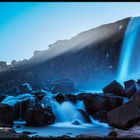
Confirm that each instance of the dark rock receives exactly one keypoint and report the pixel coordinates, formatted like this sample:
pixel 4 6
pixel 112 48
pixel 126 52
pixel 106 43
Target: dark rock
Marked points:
pixel 62 86
pixel 39 94
pixel 131 87
pixel 89 136
pixel 96 102
pixel 28 132
pixel 115 88
pixel 63 136
pixel 25 88
pixel 101 115
pixel 71 97
pixel 85 116
pixel 132 133
pixel 112 134
pixel 8 133
pixel 76 122
pixel 2 96
pixel 60 98
pixel 6 115
pixel 18 126
pixel 136 98
pixel 19 104
pixel 39 116
pixel 124 116
pixel 112 101
pixel 81 96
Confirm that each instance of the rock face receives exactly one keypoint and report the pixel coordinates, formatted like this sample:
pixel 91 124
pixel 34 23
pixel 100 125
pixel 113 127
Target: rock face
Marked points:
pixel 62 86
pixel 39 116
pixel 115 88
pixel 124 116
pixel 98 49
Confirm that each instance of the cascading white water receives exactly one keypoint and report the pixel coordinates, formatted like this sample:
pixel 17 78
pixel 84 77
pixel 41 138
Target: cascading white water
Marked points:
pixel 66 112
pixel 129 66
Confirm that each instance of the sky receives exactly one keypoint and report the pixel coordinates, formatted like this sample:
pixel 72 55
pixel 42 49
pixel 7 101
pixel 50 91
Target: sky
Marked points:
pixel 29 26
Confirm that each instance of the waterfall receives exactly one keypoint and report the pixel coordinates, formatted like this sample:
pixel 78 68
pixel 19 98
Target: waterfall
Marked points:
pixel 66 112
pixel 129 66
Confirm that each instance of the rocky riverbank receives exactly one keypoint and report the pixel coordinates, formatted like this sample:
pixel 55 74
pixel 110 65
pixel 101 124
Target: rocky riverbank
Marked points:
pixel 118 106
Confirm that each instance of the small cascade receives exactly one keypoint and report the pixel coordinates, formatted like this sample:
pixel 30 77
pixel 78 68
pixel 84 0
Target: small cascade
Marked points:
pixel 66 112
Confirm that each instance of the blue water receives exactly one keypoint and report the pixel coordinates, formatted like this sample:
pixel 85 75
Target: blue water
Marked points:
pixel 129 66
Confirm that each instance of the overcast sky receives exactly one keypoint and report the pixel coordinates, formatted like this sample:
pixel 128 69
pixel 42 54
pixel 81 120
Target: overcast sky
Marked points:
pixel 25 27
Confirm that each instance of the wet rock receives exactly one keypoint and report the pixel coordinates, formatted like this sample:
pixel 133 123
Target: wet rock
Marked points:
pixel 124 116
pixel 89 136
pixel 101 116
pixel 71 97
pixel 19 104
pixel 2 96
pixel 25 88
pixel 28 132
pixel 133 133
pixel 131 87
pixel 62 86
pixel 40 94
pixel 18 126
pixel 96 102
pixel 6 115
pixel 115 88
pixel 136 98
pixel 112 101
pixel 85 116
pixel 76 122
pixel 8 133
pixel 81 96
pixel 64 136
pixel 60 98
pixel 39 116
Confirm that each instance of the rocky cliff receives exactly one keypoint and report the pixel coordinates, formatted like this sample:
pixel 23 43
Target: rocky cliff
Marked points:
pixel 90 59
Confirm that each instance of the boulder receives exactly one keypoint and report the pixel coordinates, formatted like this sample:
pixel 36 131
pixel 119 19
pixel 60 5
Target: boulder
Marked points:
pixel 112 101
pixel 62 86
pixel 60 98
pixel 115 88
pixel 39 116
pixel 101 116
pixel 96 102
pixel 76 122
pixel 71 97
pixel 6 115
pixel 85 116
pixel 25 88
pixel 124 116
pixel 131 87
